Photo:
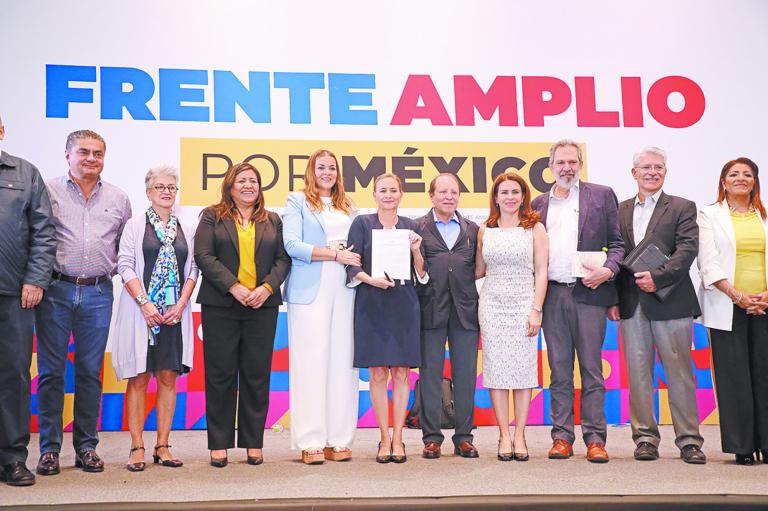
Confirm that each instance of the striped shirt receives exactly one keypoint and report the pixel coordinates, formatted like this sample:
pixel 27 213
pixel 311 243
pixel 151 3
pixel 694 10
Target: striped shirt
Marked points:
pixel 87 231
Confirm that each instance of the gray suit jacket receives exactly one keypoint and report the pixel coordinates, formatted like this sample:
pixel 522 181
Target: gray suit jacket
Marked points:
pixel 674 223
pixel 451 275
pixel 598 229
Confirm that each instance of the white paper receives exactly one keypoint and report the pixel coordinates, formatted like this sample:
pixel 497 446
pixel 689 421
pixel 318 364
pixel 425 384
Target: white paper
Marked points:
pixel 590 258
pixel 391 253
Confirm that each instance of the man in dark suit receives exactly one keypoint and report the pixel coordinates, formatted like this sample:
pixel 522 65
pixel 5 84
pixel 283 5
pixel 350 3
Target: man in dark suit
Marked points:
pixel 448 299
pixel 648 323
pixel 580 217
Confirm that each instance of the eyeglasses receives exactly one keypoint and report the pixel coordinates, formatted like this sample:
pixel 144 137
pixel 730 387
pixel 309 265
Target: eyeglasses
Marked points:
pixel 656 167
pixel 162 188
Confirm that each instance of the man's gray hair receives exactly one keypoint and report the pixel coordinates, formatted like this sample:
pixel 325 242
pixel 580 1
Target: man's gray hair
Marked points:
pixel 649 150
pixel 83 134
pixel 566 142
pixel 161 170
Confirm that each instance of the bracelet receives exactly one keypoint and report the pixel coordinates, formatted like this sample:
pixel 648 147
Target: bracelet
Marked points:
pixel 737 300
pixel 537 309
pixel 141 299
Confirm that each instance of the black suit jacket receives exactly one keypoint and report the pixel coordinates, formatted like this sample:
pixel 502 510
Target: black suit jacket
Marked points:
pixel 451 275
pixel 673 222
pixel 217 254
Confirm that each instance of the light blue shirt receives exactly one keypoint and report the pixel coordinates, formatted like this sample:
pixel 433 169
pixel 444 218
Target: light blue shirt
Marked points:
pixel 450 231
pixel 641 216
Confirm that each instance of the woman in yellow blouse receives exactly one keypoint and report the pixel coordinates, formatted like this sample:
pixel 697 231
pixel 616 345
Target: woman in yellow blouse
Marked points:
pixel 239 250
pixel 734 297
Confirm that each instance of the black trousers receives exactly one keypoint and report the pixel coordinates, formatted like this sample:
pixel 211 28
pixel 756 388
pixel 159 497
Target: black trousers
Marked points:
pixel 462 346
pixel 741 382
pixel 15 398
pixel 237 351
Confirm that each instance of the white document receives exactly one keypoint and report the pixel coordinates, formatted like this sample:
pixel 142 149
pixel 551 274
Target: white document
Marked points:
pixel 391 253
pixel 588 258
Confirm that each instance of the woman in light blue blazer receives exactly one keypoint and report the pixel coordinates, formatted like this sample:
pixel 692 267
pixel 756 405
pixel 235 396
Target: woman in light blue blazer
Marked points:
pixel 323 382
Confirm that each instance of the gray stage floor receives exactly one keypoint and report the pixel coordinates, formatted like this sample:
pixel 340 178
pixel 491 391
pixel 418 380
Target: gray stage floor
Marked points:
pixel 282 475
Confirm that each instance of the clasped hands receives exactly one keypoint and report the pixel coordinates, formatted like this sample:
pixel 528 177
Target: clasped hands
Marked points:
pixel 752 303
pixel 171 316
pixel 253 298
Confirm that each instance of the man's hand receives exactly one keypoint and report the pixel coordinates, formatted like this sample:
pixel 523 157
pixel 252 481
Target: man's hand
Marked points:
pixel 613 313
pixel 257 297
pixel 645 282
pixel 31 295
pixel 598 275
pixel 240 292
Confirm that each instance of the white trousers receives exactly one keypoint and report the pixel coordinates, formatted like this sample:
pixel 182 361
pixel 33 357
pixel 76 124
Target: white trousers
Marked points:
pixel 323 383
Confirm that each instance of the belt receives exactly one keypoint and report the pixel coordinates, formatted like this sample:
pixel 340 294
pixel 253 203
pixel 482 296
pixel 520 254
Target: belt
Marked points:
pixel 81 281
pixel 566 284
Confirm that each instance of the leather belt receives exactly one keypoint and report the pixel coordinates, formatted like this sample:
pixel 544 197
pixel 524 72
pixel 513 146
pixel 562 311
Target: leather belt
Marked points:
pixel 566 284
pixel 80 281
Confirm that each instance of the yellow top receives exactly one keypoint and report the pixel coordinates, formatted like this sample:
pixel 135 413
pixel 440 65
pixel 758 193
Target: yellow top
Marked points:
pixel 750 252
pixel 246 241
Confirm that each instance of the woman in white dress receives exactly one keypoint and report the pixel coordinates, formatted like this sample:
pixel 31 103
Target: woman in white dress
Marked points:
pixel 512 252
pixel 323 381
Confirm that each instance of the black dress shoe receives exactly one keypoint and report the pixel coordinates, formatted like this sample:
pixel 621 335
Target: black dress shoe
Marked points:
pixel 646 451
pixel 692 454
pixel 173 462
pixel 139 466
pixel 48 464
pixel 89 461
pixel 764 455
pixel 255 460
pixel 745 459
pixel 17 474
pixel 219 462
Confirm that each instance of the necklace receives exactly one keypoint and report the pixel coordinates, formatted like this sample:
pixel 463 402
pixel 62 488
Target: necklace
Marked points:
pixel 748 212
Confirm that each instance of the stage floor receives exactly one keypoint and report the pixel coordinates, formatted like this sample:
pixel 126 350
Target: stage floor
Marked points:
pixel 283 476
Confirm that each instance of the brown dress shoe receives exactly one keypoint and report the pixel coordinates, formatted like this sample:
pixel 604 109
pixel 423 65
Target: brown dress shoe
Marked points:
pixel 466 450
pixel 431 451
pixel 561 450
pixel 596 453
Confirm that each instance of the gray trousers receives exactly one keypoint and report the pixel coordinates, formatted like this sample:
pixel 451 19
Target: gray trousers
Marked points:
pixel 672 340
pixel 569 327
pixel 15 358
pixel 462 346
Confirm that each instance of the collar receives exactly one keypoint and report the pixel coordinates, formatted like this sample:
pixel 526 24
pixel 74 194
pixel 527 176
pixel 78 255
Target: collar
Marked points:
pixel 654 198
pixel 454 217
pixel 552 195
pixel 70 179
pixel 6 159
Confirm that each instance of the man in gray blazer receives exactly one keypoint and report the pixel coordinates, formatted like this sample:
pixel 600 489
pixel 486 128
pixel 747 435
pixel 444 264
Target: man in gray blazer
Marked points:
pixel 650 326
pixel 448 299
pixel 580 217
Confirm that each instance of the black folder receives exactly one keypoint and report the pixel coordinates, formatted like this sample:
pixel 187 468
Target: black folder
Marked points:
pixel 650 254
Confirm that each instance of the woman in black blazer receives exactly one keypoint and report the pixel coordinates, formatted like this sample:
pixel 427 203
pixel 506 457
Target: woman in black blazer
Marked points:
pixel 239 250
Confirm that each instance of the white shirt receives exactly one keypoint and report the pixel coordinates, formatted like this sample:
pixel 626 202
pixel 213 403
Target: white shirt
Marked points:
pixel 563 230
pixel 337 223
pixel 641 216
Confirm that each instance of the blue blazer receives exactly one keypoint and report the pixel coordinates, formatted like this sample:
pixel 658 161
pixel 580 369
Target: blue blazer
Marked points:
pixel 303 229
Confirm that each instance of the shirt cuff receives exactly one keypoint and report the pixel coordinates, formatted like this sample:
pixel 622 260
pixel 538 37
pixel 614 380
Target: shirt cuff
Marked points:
pixel 424 279
pixel 269 288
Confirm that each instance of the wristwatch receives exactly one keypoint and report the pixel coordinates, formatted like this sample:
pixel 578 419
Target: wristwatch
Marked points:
pixel 537 309
pixel 141 299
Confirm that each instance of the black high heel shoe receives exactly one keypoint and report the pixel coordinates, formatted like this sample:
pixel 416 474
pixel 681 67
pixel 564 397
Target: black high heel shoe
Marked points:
pixel 745 459
pixel 386 458
pixel 504 456
pixel 173 462
pixel 519 456
pixel 139 466
pixel 219 462
pixel 399 458
pixel 764 455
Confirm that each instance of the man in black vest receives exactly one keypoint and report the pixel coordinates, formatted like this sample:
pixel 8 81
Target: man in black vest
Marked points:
pixel 448 299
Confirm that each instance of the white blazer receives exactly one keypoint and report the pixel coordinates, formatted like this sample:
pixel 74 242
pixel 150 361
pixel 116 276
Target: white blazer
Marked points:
pixel 717 261
pixel 129 348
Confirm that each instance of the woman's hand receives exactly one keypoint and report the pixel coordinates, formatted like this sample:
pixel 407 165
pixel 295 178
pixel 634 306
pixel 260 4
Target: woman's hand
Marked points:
pixel 534 323
pixel 151 315
pixel 381 282
pixel 415 240
pixel 759 303
pixel 240 292
pixel 347 257
pixel 257 297
pixel 173 313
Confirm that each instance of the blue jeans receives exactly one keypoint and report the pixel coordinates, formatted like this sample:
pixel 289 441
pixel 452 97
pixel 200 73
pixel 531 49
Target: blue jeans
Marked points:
pixel 84 312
